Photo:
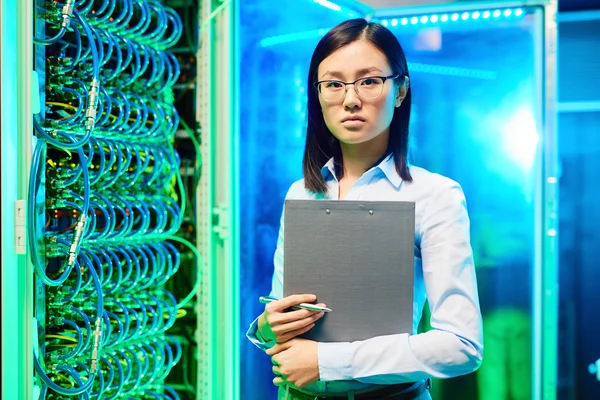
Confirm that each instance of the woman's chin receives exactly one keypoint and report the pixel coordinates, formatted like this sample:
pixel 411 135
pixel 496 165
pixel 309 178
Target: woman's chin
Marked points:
pixel 354 136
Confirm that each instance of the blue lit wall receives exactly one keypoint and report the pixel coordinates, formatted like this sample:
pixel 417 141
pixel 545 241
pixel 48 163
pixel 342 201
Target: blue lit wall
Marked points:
pixel 272 98
pixel 474 99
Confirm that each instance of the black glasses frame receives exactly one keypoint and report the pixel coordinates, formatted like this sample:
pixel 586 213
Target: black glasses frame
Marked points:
pixel 384 78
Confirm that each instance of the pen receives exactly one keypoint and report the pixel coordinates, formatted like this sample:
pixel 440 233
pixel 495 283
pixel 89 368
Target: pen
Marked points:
pixel 306 306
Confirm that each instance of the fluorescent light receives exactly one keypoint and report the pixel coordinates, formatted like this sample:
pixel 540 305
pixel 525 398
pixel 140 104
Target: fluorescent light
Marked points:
pixel 328 4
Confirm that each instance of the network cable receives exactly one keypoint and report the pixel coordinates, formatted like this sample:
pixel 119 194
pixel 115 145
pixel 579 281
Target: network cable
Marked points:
pixel 114 200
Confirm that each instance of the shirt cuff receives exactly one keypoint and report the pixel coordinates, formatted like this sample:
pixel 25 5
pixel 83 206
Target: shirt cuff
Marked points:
pixel 335 361
pixel 254 336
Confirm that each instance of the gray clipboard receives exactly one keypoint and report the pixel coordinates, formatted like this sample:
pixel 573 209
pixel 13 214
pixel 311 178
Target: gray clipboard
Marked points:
pixel 358 258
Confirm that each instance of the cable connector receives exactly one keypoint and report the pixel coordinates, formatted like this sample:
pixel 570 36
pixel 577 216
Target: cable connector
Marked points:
pixel 90 113
pixel 97 334
pixel 55 203
pixel 74 249
pixel 67 12
pixel 65 289
pixel 57 184
pixel 52 251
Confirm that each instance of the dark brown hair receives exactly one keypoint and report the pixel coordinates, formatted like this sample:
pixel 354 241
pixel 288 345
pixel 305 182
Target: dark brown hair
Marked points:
pixel 321 145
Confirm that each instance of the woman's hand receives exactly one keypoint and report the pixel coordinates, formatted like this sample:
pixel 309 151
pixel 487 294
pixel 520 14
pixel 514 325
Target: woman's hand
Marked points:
pixel 295 362
pixel 276 324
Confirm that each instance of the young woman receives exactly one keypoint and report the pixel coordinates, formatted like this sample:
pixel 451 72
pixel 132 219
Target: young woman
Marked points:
pixel 359 101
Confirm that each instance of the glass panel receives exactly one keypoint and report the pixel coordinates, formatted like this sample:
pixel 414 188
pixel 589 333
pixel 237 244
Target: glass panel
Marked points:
pixel 474 120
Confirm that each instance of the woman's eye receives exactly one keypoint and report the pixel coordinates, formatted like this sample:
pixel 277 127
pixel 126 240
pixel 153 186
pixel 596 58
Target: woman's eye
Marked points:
pixel 334 85
pixel 368 82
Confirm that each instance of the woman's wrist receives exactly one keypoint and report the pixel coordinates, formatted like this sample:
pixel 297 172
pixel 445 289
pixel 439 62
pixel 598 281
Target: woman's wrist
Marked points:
pixel 262 331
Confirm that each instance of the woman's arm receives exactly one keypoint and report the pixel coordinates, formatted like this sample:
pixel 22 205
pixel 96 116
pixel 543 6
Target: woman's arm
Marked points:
pixel 454 346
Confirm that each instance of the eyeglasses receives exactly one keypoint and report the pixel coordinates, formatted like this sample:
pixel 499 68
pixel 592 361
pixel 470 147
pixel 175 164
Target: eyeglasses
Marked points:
pixel 369 87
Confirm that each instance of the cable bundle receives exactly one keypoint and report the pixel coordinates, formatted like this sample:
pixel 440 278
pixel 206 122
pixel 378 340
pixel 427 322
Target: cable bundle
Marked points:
pixel 113 200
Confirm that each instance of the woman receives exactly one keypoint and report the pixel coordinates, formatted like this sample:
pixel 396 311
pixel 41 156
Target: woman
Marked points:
pixel 359 101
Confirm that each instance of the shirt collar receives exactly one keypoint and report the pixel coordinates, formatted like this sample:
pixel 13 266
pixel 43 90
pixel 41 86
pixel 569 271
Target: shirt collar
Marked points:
pixel 387 166
pixel 328 170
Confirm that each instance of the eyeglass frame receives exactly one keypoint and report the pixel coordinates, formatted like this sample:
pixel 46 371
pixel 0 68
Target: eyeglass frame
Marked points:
pixel 385 78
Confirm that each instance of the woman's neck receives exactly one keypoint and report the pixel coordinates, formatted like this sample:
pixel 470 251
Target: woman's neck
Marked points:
pixel 358 158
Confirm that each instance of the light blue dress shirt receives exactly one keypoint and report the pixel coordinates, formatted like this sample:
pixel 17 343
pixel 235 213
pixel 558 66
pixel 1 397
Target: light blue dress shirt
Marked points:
pixel 444 274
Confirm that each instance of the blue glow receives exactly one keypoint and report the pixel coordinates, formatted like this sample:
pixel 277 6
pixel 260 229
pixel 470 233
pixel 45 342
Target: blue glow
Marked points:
pixel 521 138
pixel 328 4
pixel 453 71
pixel 461 16
pixel 414 20
pixel 292 37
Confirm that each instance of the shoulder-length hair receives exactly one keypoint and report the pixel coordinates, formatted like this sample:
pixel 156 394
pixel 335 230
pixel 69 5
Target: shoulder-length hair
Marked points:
pixel 321 145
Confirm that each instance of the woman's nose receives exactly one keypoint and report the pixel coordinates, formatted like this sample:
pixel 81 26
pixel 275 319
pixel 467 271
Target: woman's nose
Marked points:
pixel 351 99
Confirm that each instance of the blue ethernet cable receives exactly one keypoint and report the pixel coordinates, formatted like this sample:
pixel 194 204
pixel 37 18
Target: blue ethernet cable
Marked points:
pixel 119 116
pixel 79 347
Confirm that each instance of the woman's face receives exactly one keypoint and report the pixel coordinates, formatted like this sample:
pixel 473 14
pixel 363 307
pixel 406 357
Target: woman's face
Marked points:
pixel 354 119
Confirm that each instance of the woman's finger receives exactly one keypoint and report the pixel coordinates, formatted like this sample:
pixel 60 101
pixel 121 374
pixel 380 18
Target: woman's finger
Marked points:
pixel 296 325
pixel 292 300
pixel 278 381
pixel 293 334
pixel 290 316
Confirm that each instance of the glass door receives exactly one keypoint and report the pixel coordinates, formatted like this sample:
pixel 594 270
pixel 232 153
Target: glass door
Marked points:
pixel 479 117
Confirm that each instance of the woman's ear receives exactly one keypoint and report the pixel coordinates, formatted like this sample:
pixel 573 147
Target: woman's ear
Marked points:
pixel 402 91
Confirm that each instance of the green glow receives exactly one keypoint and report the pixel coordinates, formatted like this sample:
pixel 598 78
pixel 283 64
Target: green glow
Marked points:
pixel 16 281
pixel 505 372
pixel 11 379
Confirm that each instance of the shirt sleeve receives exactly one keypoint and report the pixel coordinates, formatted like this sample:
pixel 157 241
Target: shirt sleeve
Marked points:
pixel 454 345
